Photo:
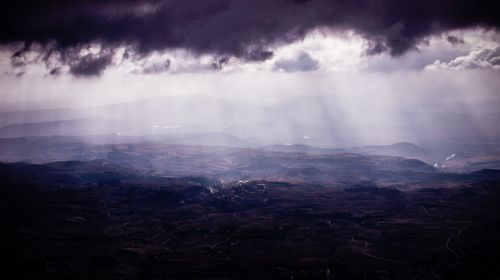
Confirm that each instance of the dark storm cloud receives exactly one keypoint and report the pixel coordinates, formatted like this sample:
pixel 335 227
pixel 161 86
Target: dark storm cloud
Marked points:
pixel 302 63
pixel 55 71
pixel 479 59
pixel 158 67
pixel 454 40
pixel 247 29
pixel 153 68
pixel 90 65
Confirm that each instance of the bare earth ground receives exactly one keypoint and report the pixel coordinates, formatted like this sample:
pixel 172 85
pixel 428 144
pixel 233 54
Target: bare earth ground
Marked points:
pixel 77 220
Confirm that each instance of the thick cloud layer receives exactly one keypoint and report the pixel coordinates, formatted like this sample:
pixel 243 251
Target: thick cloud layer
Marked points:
pixel 479 59
pixel 302 63
pixel 247 29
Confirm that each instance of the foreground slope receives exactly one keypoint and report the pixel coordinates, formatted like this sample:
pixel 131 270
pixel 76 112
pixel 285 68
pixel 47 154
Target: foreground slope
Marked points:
pixel 93 220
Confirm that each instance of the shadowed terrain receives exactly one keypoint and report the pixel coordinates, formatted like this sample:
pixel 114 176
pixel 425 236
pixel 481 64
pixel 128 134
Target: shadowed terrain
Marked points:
pixel 95 220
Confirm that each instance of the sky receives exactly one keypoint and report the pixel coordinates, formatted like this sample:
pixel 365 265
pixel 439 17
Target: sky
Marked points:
pixel 374 58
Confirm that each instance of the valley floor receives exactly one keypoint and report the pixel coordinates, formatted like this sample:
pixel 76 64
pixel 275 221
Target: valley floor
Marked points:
pixel 87 221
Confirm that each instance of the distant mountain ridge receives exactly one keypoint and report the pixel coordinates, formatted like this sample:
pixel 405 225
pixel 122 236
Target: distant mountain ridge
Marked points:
pixel 78 127
pixel 405 149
